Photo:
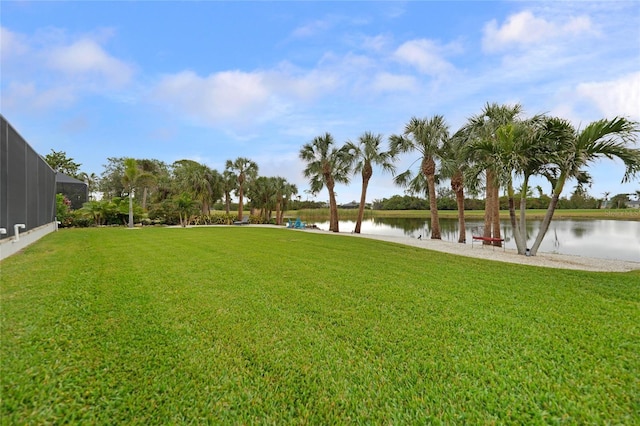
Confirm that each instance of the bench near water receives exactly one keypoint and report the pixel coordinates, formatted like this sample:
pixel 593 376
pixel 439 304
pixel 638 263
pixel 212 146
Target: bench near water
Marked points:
pixel 488 239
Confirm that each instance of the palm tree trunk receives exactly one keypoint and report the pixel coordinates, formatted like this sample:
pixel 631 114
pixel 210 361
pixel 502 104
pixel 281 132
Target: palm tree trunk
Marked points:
pixel 488 207
pixel 145 193
pixel 496 215
pixel 544 226
pixel 130 208
pixel 520 244
pixel 333 211
pixel 227 202
pixel 428 168
pixel 363 200
pixel 458 189
pixel 523 209
pixel 240 194
pixel 278 219
pixel 433 207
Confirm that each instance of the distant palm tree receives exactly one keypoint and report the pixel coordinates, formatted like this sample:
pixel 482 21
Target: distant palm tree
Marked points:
pixel 185 205
pixel 574 150
pixel 283 192
pixel 199 181
pixel 245 171
pixel 92 180
pixel 155 168
pixel 326 166
pixel 426 136
pixel 366 153
pixel 229 184
pixel 133 178
pixel 261 192
pixel 289 191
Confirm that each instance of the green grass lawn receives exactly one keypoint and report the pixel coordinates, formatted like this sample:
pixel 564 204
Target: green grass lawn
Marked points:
pixel 243 325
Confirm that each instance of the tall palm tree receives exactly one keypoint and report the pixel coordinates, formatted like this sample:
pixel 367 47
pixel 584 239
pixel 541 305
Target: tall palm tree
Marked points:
pixel 366 153
pixel 575 150
pixel 426 136
pixel 133 178
pixel 245 171
pixel 326 166
pixel 483 127
pixel 453 164
pixel 516 150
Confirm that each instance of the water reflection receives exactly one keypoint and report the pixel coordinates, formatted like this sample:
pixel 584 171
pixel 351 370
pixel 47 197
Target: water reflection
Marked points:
pixel 606 239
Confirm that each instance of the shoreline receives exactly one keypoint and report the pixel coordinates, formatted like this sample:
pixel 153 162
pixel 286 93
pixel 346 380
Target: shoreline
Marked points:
pixel 478 251
pixel 548 260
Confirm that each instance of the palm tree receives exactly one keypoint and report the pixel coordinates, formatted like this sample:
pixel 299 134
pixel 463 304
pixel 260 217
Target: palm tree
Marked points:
pixel 185 205
pixel 229 183
pixel 245 171
pixel 326 166
pixel 483 127
pixel 199 181
pixel 453 164
pixel 92 180
pixel 366 153
pixel 155 168
pixel 427 137
pixel 133 178
pixel 283 192
pixel 261 192
pixel 289 190
pixel 605 196
pixel 575 150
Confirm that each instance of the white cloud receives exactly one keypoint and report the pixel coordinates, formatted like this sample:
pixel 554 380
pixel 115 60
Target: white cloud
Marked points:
pixel 86 57
pixel 615 97
pixel 27 95
pixel 48 69
pixel 312 28
pixel 213 99
pixel 386 82
pixel 524 29
pixel 11 44
pixel 425 55
pixel 376 43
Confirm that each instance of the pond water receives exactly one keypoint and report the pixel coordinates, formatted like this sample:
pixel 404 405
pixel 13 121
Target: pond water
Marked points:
pixel 605 239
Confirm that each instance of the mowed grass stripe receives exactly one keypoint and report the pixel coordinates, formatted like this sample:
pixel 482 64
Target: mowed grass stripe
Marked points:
pixel 257 325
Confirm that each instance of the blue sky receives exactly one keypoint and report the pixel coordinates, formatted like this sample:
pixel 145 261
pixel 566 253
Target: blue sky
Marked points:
pixel 212 81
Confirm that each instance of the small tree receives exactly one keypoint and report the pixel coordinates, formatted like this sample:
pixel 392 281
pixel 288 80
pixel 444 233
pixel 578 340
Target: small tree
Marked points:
pixel 59 162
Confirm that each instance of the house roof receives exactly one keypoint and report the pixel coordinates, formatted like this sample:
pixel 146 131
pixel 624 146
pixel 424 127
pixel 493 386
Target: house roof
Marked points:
pixel 62 178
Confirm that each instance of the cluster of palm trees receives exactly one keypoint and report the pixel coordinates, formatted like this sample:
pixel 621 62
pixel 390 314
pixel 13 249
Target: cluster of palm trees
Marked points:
pixel 490 151
pixel 188 185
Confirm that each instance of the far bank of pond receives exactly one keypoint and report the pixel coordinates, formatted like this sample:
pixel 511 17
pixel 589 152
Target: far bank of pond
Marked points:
pixel 599 238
